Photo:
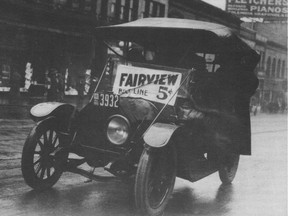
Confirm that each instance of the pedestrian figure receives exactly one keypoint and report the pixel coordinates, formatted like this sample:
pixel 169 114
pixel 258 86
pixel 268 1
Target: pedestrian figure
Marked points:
pixel 15 86
pixel 47 81
pixel 80 87
pixel 54 93
pixel 87 81
pixel 61 87
pixel 77 68
pixel 28 75
pixel 283 106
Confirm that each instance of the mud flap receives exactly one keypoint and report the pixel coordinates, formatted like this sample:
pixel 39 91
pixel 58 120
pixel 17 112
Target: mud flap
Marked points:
pixel 159 134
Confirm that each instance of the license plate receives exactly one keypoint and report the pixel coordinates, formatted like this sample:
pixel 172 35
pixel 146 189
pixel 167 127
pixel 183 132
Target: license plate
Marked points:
pixel 106 99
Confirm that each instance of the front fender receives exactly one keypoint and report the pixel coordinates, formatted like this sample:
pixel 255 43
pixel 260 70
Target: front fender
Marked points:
pixel 43 110
pixel 159 134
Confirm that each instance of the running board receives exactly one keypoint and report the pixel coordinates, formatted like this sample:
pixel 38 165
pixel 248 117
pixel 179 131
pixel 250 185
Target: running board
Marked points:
pixel 198 170
pixel 196 176
pixel 89 175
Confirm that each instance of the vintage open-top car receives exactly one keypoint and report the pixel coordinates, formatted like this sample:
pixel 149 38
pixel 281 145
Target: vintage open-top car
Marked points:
pixel 170 101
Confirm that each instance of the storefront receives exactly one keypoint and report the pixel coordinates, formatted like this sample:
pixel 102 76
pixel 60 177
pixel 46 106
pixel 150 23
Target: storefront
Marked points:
pixel 38 35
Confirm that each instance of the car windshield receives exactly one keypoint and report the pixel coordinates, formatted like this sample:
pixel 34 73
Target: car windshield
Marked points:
pixel 154 73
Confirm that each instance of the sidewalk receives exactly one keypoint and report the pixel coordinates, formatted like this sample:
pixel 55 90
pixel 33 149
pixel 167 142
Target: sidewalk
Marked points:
pixel 13 133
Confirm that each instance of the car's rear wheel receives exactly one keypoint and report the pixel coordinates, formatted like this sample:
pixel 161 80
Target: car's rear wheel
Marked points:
pixel 228 168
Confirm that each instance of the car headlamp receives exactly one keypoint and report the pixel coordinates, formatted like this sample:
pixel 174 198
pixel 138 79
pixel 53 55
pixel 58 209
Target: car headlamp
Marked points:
pixel 118 129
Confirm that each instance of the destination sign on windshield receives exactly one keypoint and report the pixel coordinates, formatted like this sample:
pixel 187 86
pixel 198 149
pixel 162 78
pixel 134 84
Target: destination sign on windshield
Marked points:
pixel 150 84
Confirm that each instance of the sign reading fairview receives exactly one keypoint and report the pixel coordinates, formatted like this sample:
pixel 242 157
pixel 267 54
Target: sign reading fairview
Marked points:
pixel 267 9
pixel 150 84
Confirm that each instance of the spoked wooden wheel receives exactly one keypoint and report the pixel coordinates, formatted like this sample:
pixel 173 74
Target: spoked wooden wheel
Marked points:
pixel 42 159
pixel 228 168
pixel 155 180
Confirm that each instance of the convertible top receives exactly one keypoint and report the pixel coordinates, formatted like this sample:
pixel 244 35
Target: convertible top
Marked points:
pixel 199 35
pixel 170 24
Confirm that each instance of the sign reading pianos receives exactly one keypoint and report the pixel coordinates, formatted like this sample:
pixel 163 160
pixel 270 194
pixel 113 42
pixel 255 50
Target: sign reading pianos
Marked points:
pixel 267 9
pixel 150 84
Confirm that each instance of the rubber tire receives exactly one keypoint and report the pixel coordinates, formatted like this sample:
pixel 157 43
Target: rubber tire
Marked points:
pixel 27 162
pixel 148 160
pixel 228 168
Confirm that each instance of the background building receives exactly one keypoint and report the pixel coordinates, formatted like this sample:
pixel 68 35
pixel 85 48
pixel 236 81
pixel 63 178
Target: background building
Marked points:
pixel 271 42
pixel 59 33
pixel 199 10
pixel 268 39
pixel 273 67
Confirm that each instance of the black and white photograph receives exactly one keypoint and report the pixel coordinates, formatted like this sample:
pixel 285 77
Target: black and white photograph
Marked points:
pixel 143 107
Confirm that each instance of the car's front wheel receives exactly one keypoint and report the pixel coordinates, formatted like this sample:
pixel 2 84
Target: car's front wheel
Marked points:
pixel 42 156
pixel 155 180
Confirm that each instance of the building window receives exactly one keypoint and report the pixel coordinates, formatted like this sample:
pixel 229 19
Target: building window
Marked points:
pixel 154 9
pixel 5 75
pixel 273 69
pixel 128 10
pixel 262 61
pixel 134 13
pixel 86 6
pixel 283 74
pixel 104 9
pixel 124 10
pixel 120 4
pixel 259 65
pixel 268 69
pixel 117 9
pixel 279 68
pixel 113 8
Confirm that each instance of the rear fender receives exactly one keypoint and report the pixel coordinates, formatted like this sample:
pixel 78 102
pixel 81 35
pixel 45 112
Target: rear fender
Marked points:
pixel 159 134
pixel 61 111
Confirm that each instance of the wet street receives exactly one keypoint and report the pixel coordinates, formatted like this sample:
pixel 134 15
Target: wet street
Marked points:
pixel 260 186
